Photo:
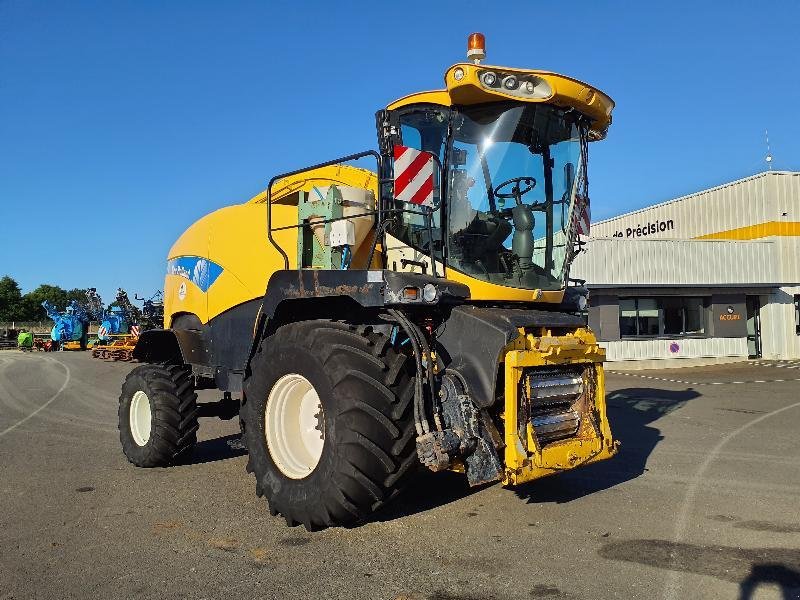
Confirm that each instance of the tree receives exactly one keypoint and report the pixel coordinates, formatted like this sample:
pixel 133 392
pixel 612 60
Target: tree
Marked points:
pixel 11 308
pixel 29 311
pixel 14 306
pixel 55 295
pixel 78 294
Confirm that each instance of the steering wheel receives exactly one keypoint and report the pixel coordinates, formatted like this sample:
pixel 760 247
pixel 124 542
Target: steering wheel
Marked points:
pixel 517 192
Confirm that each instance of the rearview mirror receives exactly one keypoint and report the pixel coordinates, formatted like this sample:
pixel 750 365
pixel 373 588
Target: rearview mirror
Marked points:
pixel 458 157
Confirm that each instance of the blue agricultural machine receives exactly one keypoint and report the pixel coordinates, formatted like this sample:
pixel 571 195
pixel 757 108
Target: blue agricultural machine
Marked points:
pixel 72 325
pixel 119 325
pixel 152 311
pixel 118 330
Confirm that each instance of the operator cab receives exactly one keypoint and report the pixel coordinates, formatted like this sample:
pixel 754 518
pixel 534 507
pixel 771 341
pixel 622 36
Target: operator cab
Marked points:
pixel 509 148
pixel 510 180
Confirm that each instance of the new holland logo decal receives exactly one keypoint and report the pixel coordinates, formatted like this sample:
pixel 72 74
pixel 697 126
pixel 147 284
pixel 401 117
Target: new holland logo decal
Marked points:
pixel 200 271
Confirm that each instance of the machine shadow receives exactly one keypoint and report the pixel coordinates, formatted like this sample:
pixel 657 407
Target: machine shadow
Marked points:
pixel 785 578
pixel 221 448
pixel 631 411
pixel 426 491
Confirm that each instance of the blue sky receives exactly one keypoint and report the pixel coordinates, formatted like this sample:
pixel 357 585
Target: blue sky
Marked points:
pixel 123 122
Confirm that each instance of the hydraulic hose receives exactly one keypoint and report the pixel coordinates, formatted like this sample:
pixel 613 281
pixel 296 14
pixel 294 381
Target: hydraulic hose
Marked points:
pixel 428 370
pixel 420 419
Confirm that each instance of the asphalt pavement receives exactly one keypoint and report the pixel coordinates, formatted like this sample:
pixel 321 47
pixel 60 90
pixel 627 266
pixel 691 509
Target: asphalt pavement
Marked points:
pixel 703 501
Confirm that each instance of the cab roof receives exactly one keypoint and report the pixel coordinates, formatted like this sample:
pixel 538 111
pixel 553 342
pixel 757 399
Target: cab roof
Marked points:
pixel 466 84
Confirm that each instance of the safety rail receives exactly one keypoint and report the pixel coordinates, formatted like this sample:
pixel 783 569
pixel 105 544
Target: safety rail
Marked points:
pixel 337 161
pixel 378 213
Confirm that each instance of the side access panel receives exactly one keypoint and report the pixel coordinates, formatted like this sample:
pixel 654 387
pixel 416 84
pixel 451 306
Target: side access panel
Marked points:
pixel 472 340
pixel 218 349
pixel 229 337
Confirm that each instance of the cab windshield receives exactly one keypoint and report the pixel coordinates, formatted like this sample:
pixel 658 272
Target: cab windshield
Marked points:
pixel 508 188
pixel 510 192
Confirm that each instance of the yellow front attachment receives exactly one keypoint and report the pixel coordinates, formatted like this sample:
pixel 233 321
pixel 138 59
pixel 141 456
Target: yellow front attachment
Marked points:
pixel 527 456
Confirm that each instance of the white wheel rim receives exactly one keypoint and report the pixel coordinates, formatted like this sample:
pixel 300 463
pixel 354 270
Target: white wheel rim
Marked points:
pixel 292 422
pixel 140 418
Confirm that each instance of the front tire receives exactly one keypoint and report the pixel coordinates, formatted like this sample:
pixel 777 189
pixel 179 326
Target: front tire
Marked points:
pixel 158 415
pixel 327 418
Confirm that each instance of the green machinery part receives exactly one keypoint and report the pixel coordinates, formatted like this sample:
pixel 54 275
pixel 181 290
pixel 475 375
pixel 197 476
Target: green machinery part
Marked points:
pixel 25 339
pixel 313 252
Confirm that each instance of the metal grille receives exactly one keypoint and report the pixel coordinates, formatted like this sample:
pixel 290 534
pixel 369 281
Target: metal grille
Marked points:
pixel 552 402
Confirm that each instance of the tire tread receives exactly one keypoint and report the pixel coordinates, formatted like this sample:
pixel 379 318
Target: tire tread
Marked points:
pixel 174 426
pixel 373 386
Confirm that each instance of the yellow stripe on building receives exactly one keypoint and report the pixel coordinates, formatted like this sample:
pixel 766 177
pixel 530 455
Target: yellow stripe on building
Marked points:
pixel 752 232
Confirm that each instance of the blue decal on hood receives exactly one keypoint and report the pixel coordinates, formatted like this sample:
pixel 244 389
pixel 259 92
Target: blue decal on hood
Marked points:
pixel 200 271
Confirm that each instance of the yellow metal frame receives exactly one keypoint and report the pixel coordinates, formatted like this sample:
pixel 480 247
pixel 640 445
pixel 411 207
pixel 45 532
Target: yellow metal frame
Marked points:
pixel 525 460
pixel 324 176
pixel 565 92
pixel 484 290
pixel 119 346
pixel 72 345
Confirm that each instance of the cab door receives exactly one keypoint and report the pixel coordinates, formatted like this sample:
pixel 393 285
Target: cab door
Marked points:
pixel 409 238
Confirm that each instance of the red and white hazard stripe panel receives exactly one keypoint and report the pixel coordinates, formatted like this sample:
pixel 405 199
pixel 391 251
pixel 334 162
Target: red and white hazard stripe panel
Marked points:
pixel 102 332
pixel 413 176
pixel 135 330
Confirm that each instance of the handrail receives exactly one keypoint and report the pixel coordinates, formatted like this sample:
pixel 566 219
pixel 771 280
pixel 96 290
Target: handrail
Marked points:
pixel 426 214
pixel 329 163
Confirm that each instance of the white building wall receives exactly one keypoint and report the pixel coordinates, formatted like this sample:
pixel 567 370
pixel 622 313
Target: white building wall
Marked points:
pixel 779 339
pixel 765 198
pixel 788 258
pixel 663 348
pixel 615 261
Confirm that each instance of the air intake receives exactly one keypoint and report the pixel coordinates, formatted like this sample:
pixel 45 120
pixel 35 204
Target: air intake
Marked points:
pixel 553 402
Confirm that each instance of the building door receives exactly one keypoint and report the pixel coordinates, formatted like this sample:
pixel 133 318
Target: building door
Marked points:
pixel 754 326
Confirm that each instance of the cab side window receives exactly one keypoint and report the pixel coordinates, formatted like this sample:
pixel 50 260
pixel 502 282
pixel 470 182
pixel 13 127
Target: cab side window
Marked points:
pixel 422 129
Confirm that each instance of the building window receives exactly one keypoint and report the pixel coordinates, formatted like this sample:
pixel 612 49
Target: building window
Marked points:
pixel 797 314
pixel 647 316
pixel 668 316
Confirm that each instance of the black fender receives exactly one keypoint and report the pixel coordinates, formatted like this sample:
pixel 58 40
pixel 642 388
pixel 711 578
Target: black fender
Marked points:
pixel 295 295
pixel 184 346
pixel 215 350
pixel 472 338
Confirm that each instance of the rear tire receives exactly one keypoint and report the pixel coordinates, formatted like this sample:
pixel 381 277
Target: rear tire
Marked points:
pixel 365 389
pixel 158 415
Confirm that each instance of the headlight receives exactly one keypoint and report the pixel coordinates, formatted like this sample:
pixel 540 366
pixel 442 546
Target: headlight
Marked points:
pixel 429 292
pixel 521 85
pixel 458 74
pixel 489 79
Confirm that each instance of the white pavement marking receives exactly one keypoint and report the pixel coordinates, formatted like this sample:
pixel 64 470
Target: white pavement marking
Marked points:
pixel 700 382
pixel 46 404
pixel 673 580
pixel 778 364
